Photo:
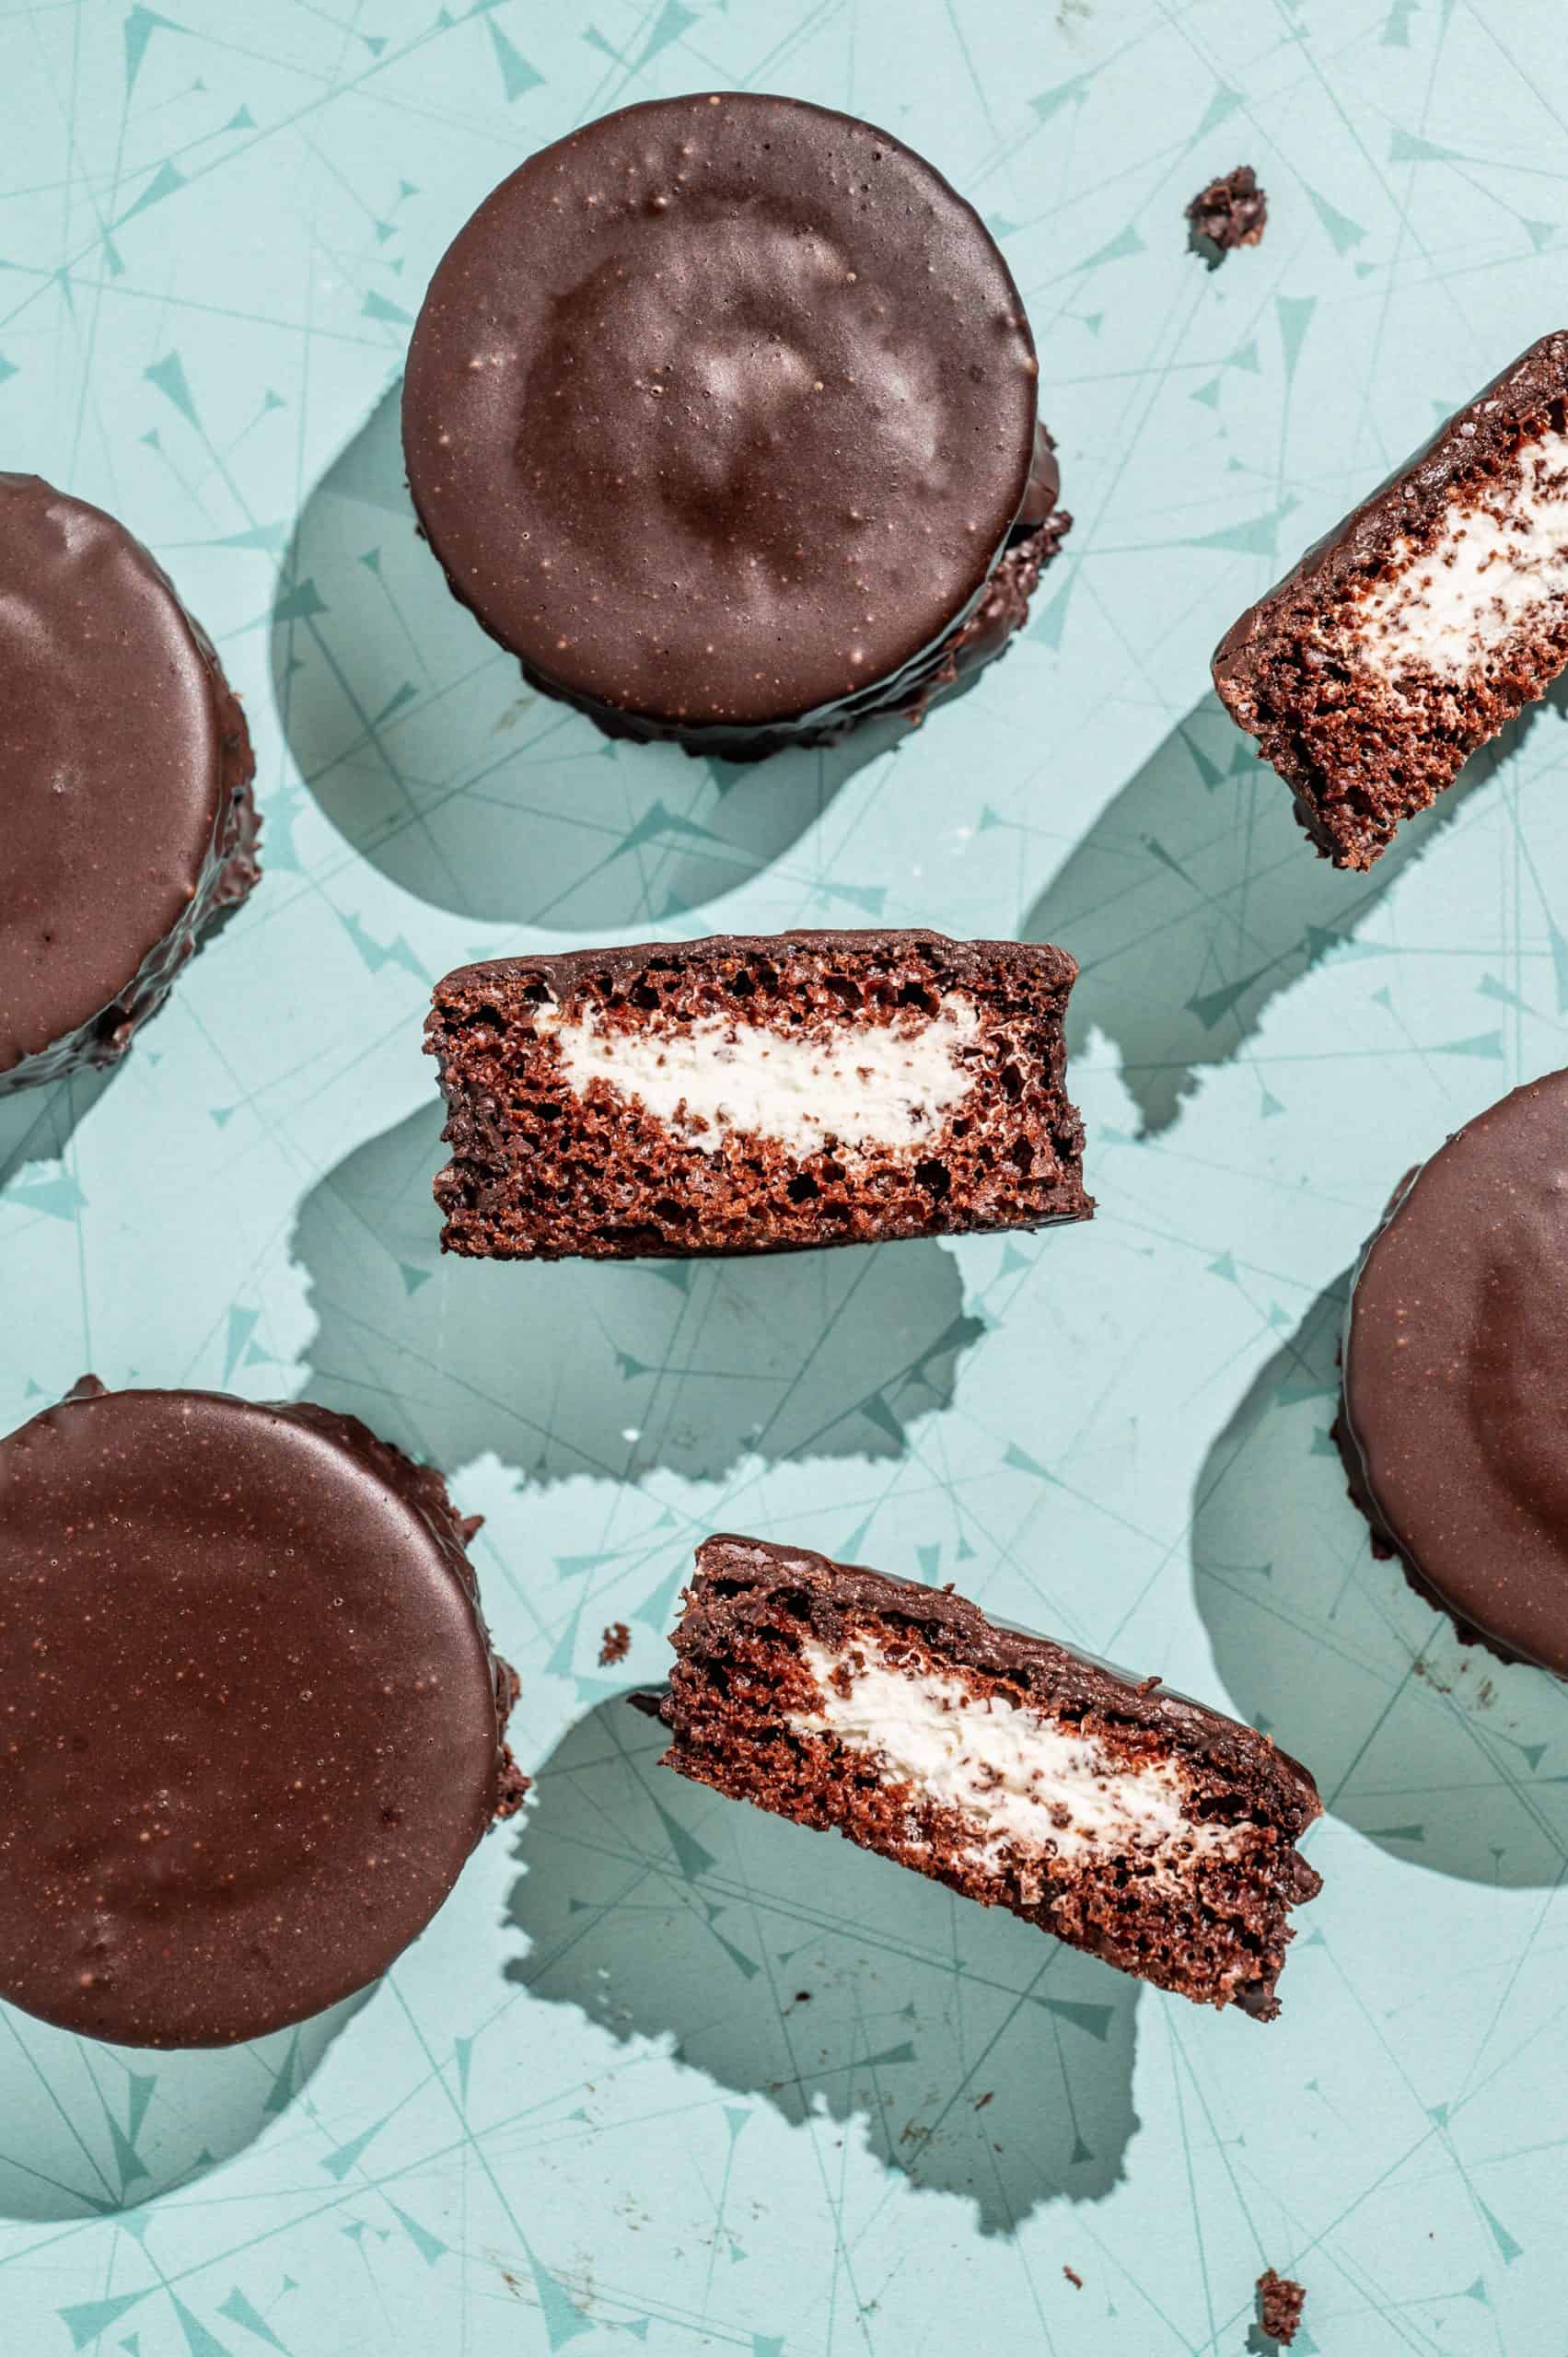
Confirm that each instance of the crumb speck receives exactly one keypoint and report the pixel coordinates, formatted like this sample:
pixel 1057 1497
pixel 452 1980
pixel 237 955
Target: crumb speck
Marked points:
pixel 616 1645
pixel 1279 2303
pixel 1232 210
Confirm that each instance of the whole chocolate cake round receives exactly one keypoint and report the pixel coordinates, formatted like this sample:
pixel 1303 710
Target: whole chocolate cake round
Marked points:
pixel 252 1725
pixel 1453 1427
pixel 126 771
pixel 720 416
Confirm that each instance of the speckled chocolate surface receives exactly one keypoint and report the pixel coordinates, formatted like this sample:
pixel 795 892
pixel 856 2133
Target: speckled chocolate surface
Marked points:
pixel 1451 1423
pixel 252 1725
pixel 719 414
pixel 125 772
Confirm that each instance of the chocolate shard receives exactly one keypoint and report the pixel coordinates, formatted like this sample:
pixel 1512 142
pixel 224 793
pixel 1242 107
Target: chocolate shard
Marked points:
pixel 754 1093
pixel 1421 624
pixel 1131 1822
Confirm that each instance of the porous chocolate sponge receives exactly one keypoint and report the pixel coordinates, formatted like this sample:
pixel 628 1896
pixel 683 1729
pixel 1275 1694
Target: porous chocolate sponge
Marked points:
pixel 1131 1822
pixel 755 1094
pixel 1421 624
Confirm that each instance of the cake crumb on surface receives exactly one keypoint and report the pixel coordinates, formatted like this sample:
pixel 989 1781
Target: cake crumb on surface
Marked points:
pixel 1074 2277
pixel 616 1645
pixel 1279 2303
pixel 1232 210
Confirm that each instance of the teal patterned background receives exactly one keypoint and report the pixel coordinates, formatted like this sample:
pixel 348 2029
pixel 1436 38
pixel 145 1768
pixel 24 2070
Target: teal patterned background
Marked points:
pixel 665 2072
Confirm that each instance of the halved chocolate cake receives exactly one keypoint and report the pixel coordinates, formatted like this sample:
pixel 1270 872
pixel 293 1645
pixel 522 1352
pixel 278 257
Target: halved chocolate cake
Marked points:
pixel 1131 1822
pixel 754 1094
pixel 1421 624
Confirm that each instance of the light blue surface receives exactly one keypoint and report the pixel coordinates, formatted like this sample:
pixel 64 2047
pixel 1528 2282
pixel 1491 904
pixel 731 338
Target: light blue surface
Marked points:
pixel 590 2104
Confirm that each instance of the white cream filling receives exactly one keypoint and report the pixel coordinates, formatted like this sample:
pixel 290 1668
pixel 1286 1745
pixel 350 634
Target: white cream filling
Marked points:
pixel 1024 1783
pixel 859 1084
pixel 1488 573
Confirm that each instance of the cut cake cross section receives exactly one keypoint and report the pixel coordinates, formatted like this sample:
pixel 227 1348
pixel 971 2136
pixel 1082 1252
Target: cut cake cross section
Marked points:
pixel 755 1094
pixel 1149 1830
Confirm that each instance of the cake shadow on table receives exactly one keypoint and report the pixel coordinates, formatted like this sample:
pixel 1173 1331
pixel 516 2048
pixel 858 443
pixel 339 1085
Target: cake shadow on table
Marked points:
pixel 1435 1750
pixel 90 2130
pixel 571 1368
pixel 37 1126
pixel 976 2057
pixel 431 758
pixel 1194 900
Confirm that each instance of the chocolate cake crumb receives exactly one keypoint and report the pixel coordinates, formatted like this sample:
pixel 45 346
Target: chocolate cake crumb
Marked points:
pixel 1279 2303
pixel 616 1645
pixel 1160 1836
pixel 1232 210
pixel 1074 2277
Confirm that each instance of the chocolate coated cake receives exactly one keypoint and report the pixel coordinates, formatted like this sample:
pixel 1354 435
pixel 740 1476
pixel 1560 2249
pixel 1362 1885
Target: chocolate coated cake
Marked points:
pixel 1128 1821
pixel 754 1093
pixel 252 1722
pixel 720 416
pixel 125 773
pixel 1452 1424
pixel 1421 624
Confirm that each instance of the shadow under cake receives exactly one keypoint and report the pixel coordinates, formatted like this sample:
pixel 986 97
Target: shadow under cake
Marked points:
pixel 1421 624
pixel 720 414
pixel 748 1094
pixel 1128 1821
pixel 125 769
pixel 254 1724
pixel 1452 1424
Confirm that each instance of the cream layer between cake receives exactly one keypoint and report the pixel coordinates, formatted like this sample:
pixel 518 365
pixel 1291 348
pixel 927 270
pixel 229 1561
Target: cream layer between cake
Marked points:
pixel 1500 558
pixel 1020 1780
pixel 886 1083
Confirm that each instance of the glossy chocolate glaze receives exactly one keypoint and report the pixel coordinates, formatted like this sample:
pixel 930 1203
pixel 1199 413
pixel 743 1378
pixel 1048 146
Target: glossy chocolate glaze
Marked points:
pixel 124 785
pixel 718 414
pixel 1453 1420
pixel 253 1721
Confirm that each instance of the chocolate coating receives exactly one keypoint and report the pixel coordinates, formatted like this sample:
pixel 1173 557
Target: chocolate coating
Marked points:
pixel 124 785
pixel 720 411
pixel 1453 1413
pixel 251 1723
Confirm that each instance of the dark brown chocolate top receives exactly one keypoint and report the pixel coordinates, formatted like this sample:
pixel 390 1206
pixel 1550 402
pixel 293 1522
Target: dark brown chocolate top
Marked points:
pixel 1453 1362
pixel 720 409
pixel 1408 505
pixel 956 1631
pixel 112 778
pixel 251 1723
